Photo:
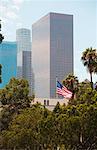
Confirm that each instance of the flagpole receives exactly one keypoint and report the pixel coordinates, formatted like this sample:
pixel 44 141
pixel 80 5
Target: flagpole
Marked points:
pixel 56 87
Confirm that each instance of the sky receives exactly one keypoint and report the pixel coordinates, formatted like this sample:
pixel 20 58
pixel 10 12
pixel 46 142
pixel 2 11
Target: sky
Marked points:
pixel 23 13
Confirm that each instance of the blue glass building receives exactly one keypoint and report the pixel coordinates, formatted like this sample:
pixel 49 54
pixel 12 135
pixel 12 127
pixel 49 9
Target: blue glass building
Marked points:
pixel 8 60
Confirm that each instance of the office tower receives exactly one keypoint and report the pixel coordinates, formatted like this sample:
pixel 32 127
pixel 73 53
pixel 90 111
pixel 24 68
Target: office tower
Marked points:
pixel 24 58
pixel 52 46
pixel 27 70
pixel 19 71
pixel 8 60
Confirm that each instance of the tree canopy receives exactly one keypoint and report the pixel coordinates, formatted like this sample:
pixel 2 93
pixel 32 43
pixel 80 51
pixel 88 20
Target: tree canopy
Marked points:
pixel 68 127
pixel 15 93
pixel 89 59
pixel 71 82
pixel 13 98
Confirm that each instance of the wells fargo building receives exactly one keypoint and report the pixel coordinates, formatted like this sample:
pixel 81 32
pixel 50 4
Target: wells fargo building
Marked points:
pixel 52 51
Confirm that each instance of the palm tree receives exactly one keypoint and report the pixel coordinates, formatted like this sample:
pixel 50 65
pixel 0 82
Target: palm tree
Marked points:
pixel 71 82
pixel 89 59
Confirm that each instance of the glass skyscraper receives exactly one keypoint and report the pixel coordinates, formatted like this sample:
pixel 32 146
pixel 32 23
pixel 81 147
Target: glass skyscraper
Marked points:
pixel 52 46
pixel 8 60
pixel 24 57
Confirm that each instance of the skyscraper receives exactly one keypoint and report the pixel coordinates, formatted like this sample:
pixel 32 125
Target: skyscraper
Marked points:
pixel 52 46
pixel 8 60
pixel 24 57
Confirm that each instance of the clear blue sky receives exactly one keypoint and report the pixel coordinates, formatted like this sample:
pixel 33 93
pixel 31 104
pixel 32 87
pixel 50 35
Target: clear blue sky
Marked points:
pixel 23 13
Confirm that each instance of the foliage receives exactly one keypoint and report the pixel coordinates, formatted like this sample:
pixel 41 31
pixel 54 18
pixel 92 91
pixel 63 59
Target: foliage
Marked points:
pixel 71 82
pixel 89 59
pixel 23 130
pixel 13 98
pixel 6 116
pixel 67 127
pixel 15 93
pixel 57 108
pixel 85 94
pixel 71 127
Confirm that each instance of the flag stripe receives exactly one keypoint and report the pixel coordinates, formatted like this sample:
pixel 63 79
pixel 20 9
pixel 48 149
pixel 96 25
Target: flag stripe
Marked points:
pixel 62 90
pixel 64 95
pixel 67 91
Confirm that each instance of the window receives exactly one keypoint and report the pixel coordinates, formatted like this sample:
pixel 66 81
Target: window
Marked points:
pixel 45 102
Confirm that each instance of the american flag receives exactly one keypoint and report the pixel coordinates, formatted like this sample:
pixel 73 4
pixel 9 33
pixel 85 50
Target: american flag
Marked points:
pixel 62 90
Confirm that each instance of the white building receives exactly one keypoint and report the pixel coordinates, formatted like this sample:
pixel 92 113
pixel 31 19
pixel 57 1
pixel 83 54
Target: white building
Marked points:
pixel 52 46
pixel 24 57
pixel 50 103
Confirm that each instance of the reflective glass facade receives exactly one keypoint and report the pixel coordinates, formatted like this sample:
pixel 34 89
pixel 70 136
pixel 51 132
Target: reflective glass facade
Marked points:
pixel 41 56
pixel 24 57
pixel 52 46
pixel 23 39
pixel 8 59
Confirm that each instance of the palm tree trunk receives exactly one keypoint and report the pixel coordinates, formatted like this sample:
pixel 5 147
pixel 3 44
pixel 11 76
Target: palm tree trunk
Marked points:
pixel 91 80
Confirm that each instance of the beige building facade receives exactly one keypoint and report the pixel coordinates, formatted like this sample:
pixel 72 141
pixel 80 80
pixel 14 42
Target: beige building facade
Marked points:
pixel 49 103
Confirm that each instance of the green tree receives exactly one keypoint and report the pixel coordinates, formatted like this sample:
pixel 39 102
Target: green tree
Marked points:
pixel 89 59
pixel 13 98
pixel 71 82
pixel 22 132
pixel 86 94
pixel 15 93
pixel 6 116
pixel 69 127
pixel 88 122
pixel 1 36
pixel 57 108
